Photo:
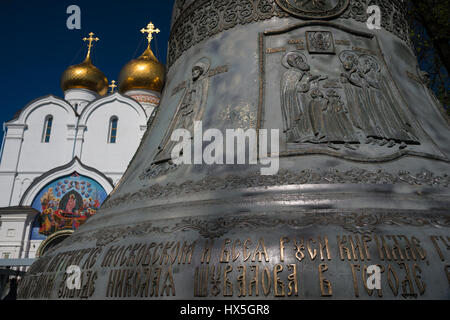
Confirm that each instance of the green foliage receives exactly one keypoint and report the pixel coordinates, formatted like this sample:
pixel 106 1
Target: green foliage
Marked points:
pixel 430 32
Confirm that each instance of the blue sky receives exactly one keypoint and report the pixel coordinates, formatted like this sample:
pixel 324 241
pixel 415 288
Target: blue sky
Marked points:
pixel 36 45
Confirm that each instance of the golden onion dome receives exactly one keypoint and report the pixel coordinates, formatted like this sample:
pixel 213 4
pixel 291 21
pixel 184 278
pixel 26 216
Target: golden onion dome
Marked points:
pixel 85 75
pixel 145 72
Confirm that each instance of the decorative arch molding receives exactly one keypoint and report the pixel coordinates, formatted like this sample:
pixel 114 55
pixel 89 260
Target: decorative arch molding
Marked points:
pixel 52 241
pixel 133 104
pixel 49 176
pixel 22 116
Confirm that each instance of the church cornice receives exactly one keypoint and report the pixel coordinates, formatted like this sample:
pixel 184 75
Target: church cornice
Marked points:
pixel 21 115
pixel 18 209
pixel 93 105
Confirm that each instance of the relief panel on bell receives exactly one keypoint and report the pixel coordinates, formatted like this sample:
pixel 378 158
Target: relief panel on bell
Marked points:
pixel 336 100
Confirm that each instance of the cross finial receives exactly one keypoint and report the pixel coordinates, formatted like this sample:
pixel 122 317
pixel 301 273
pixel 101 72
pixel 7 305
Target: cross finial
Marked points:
pixel 90 44
pixel 113 86
pixel 150 30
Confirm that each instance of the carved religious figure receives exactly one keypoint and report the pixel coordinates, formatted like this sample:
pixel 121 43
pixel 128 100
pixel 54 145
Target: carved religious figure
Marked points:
pixel 310 116
pixel 190 108
pixel 316 109
pixel 374 107
pixel 339 128
pixel 295 82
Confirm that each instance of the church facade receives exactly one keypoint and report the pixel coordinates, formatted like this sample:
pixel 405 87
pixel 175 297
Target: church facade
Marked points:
pixel 61 157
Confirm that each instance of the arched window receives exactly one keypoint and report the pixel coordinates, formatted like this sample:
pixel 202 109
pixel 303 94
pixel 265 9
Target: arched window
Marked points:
pixel 113 129
pixel 47 129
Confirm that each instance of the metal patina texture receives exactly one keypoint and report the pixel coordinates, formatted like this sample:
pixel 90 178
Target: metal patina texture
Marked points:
pixel 364 173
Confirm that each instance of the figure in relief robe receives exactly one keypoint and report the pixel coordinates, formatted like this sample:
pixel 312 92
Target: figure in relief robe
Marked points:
pixel 316 111
pixel 296 82
pixel 356 84
pixel 393 123
pixel 190 108
pixel 339 128
pixel 373 106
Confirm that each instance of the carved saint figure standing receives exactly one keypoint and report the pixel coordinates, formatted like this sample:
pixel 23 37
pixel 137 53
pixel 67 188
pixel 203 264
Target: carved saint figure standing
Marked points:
pixel 339 128
pixel 295 83
pixel 316 109
pixel 394 124
pixel 190 108
pixel 373 106
pixel 360 117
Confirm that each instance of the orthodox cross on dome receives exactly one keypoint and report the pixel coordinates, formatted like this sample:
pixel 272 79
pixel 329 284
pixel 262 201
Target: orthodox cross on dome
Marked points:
pixel 113 86
pixel 150 30
pixel 91 39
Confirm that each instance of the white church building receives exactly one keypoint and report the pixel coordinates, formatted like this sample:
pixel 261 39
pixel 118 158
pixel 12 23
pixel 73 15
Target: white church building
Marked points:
pixel 61 157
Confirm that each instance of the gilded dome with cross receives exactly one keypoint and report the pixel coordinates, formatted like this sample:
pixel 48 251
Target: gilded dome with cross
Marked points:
pixel 145 72
pixel 85 75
